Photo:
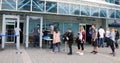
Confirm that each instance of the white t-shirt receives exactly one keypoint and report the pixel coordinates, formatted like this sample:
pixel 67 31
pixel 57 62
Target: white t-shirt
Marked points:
pixel 107 34
pixel 17 31
pixel 101 32
pixel 80 35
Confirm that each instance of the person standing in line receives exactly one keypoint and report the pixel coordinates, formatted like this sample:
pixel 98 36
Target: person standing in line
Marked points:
pixel 116 38
pixel 89 35
pixel 107 36
pixel 70 40
pixel 94 40
pixel 51 34
pixel 36 33
pixel 101 32
pixel 56 40
pixel 17 32
pixel 81 40
pixel 112 41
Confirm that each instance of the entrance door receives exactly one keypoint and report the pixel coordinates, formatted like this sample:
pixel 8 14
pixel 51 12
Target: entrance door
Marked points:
pixel 10 25
pixel 8 34
pixel 31 23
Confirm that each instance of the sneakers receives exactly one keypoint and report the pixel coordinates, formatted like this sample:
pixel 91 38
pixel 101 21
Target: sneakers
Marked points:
pixel 69 54
pixel 81 53
pixel 94 52
pixel 112 54
pixel 52 52
pixel 78 52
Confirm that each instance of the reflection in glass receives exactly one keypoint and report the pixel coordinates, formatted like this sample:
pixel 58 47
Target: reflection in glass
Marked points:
pixel 73 26
pixel 33 22
pixel 94 11
pixel 111 13
pixel 117 2
pixel 110 1
pixel 24 5
pixel 103 13
pixel 63 8
pixel 51 7
pixel 85 10
pixel 75 9
pixel 117 13
pixel 38 5
pixel 9 4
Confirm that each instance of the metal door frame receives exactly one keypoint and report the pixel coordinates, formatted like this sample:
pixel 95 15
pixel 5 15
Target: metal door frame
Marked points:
pixel 27 30
pixel 4 29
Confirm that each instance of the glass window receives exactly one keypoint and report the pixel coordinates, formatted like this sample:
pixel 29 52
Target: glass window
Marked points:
pixel 38 5
pixel 117 2
pixel 33 22
pixel 24 5
pixel 117 13
pixel 73 26
pixel 63 8
pixel 111 13
pixel 85 10
pixel 103 12
pixel 110 1
pixel 94 11
pixel 9 4
pixel 51 7
pixel 75 9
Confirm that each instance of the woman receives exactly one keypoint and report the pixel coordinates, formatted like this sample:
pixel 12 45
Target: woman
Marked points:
pixel 56 40
pixel 81 40
pixel 112 41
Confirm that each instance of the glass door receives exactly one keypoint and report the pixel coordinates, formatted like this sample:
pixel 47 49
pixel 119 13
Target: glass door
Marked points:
pixel 10 38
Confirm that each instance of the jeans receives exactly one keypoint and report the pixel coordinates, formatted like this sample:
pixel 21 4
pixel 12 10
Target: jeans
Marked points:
pixel 101 42
pixel 36 40
pixel 80 44
pixel 70 47
pixel 58 45
pixel 107 41
pixel 111 43
pixel 116 42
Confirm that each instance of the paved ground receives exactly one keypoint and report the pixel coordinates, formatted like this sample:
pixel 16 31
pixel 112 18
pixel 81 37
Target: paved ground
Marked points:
pixel 37 55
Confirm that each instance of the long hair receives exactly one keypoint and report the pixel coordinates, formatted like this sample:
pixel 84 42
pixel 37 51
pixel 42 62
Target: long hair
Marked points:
pixel 56 30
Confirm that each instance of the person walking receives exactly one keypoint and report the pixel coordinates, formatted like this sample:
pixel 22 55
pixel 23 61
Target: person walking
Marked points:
pixel 56 40
pixel 116 38
pixel 101 37
pixel 81 40
pixel 94 40
pixel 107 36
pixel 36 33
pixel 112 41
pixel 70 40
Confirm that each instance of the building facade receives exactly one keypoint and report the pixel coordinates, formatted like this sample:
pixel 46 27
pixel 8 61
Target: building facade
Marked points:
pixel 63 14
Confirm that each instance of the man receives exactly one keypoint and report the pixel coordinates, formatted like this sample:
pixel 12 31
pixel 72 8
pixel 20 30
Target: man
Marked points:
pixel 116 38
pixel 94 40
pixel 89 36
pixel 36 33
pixel 70 40
pixel 101 32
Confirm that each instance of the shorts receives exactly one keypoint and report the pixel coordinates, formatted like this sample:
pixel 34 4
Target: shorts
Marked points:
pixel 95 43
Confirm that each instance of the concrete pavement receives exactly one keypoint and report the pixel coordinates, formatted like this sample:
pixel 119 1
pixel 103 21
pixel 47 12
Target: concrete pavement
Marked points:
pixel 37 55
